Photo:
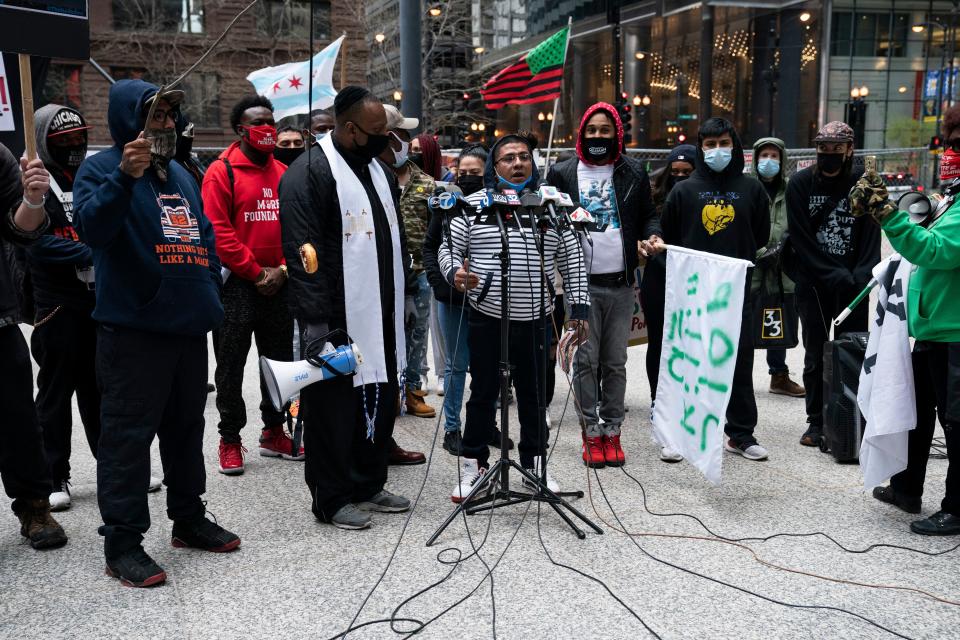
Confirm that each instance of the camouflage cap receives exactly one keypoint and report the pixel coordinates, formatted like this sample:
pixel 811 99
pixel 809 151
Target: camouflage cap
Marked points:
pixel 396 120
pixel 835 131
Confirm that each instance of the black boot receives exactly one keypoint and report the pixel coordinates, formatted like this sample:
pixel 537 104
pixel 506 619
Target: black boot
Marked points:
pixel 134 568
pixel 909 504
pixel 203 534
pixel 37 525
pixel 939 524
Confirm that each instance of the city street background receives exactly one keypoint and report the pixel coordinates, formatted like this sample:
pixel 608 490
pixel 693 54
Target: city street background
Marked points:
pixel 294 577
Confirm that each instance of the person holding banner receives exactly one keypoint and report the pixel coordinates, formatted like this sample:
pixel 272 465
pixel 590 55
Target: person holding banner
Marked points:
pixel 720 210
pixel 64 339
pixel 933 319
pixel 615 189
pixel 157 296
pixel 346 250
pixel 831 258
pixel 769 166
pixel 23 463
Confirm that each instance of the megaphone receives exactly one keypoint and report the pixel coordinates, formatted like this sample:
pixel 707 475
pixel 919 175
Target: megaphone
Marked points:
pixel 285 379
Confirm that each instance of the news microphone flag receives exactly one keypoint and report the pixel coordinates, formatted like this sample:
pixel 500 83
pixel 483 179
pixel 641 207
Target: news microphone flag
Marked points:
pixel 535 77
pixel 286 85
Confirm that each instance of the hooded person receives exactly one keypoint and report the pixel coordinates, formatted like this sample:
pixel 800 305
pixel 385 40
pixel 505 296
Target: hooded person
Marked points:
pixel 831 256
pixel 157 295
pixel 240 196
pixel 615 190
pixel 345 247
pixel 769 166
pixel 470 262
pixel 691 218
pixel 64 339
pixel 184 153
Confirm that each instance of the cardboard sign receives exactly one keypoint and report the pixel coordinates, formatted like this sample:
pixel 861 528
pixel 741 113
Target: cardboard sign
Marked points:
pixel 48 28
pixel 6 106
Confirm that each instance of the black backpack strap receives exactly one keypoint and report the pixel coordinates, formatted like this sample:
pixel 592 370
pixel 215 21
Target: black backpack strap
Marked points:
pixel 230 177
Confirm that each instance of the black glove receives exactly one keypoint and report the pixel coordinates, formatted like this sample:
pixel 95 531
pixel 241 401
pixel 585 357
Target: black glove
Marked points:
pixel 770 257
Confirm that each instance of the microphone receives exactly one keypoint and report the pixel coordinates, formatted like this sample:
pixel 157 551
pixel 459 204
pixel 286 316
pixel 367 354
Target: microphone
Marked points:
pixel 447 200
pixel 579 220
pixel 504 200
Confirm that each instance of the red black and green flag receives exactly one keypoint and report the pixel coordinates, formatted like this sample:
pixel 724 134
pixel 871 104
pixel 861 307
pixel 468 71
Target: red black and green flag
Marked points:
pixel 533 78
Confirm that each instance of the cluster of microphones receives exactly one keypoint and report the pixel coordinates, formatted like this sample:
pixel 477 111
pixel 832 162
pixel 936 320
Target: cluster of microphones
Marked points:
pixel 546 206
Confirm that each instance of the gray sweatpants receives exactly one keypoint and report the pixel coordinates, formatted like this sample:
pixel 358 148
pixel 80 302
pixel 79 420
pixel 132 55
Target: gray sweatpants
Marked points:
pixel 611 310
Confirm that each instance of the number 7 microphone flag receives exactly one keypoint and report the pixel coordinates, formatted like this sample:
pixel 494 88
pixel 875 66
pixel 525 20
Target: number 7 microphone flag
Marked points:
pixel 536 77
pixel 286 85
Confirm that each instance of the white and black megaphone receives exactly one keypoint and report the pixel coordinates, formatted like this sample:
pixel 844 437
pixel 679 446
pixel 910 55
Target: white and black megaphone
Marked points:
pixel 285 379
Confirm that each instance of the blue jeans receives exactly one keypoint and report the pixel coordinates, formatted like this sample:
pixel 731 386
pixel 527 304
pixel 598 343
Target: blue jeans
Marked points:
pixel 777 361
pixel 416 334
pixel 454 322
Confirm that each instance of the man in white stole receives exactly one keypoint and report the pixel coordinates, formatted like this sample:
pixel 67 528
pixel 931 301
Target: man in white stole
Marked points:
pixel 347 258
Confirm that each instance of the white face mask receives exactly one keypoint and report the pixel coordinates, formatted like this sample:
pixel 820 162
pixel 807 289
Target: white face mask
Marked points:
pixel 320 136
pixel 400 157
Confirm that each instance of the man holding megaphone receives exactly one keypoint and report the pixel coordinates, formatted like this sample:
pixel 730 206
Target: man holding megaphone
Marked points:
pixel 346 252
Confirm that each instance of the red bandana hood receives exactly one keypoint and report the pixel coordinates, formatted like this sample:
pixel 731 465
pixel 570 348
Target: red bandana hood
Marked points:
pixel 612 112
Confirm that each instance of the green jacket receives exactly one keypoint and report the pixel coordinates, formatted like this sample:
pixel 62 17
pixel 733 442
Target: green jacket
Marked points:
pixel 933 300
pixel 778 219
pixel 414 211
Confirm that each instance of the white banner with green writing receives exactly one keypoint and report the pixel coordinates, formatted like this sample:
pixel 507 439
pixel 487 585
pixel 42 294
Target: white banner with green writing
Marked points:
pixel 701 330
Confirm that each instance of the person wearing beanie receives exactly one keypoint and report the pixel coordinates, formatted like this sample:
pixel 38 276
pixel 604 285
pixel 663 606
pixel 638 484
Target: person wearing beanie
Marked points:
pixel 831 257
pixel 615 190
pixel 769 166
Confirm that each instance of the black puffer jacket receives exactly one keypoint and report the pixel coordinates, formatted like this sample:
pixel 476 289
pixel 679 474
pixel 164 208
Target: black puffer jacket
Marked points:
pixel 11 193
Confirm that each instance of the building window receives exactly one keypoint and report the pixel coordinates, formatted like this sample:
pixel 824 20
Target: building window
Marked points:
pixel 201 104
pixel 291 19
pixel 869 35
pixel 184 16
pixel 63 86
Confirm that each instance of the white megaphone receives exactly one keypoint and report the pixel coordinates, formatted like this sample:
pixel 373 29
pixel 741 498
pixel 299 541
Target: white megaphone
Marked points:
pixel 285 379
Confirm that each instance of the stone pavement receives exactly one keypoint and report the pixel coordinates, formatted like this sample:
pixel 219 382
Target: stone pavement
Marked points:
pixel 296 578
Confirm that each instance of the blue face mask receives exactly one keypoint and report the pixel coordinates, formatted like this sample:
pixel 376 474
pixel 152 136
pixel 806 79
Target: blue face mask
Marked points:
pixel 768 167
pixel 718 158
pixel 320 136
pixel 516 186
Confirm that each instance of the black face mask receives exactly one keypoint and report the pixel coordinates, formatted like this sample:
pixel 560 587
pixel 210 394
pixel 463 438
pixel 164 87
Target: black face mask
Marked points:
pixel 673 180
pixel 68 158
pixel 417 159
pixel 375 145
pixel 470 184
pixel 830 162
pixel 598 150
pixel 287 155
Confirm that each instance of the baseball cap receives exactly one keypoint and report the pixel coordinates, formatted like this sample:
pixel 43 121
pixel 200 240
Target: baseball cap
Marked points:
pixel 396 120
pixel 173 96
pixel 835 131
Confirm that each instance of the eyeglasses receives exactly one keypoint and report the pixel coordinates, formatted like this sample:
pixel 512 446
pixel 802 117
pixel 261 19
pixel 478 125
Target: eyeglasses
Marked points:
pixel 513 157
pixel 160 116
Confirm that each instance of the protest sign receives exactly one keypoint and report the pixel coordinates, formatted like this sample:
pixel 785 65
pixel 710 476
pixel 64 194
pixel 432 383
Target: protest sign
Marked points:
pixel 48 28
pixel 638 323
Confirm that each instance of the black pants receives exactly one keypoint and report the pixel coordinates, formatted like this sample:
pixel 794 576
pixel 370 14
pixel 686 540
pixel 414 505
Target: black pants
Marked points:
pixel 652 293
pixel 266 319
pixel 23 465
pixel 818 307
pixel 742 410
pixel 65 348
pixel 557 319
pixel 526 359
pixel 936 371
pixel 153 385
pixel 342 464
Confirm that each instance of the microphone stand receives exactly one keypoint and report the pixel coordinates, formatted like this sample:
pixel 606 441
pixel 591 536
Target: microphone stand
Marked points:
pixel 499 472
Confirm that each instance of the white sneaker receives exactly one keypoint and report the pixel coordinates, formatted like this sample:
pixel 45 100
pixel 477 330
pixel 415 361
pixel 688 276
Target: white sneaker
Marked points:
pixel 154 485
pixel 60 500
pixel 551 483
pixel 470 474
pixel 751 452
pixel 439 386
pixel 668 454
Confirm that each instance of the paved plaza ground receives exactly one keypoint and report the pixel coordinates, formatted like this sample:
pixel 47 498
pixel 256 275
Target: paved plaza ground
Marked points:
pixel 296 578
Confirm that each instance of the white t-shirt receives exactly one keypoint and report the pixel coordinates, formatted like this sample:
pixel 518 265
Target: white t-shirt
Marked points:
pixel 597 196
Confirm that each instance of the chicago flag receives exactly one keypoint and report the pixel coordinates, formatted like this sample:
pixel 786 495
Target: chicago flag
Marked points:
pixel 287 85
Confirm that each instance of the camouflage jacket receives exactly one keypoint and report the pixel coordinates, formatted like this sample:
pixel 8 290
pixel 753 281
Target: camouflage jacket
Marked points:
pixel 413 209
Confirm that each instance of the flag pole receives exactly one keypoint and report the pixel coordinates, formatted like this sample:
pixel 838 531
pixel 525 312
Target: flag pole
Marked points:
pixel 343 62
pixel 556 101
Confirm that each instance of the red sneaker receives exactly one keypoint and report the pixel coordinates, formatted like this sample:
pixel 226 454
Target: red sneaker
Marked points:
pixel 593 451
pixel 231 458
pixel 613 452
pixel 275 443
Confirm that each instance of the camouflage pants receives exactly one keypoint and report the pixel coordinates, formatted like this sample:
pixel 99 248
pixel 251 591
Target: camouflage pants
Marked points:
pixel 417 333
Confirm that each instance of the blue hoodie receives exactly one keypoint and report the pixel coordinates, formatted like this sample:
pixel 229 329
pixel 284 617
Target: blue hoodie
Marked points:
pixel 153 249
pixel 490 177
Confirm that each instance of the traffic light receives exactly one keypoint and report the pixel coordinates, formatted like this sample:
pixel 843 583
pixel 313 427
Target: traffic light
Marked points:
pixel 935 143
pixel 624 109
pixel 466 101
pixel 682 138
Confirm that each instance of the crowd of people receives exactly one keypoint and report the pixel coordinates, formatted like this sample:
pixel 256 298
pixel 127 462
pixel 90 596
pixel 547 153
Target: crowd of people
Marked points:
pixel 299 237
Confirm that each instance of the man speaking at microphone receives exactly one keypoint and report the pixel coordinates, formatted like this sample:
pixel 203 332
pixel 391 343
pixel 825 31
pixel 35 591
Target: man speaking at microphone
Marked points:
pixel 615 190
pixel 471 264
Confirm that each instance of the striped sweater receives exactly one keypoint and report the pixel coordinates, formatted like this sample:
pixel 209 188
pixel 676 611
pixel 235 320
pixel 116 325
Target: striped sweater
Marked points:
pixel 478 238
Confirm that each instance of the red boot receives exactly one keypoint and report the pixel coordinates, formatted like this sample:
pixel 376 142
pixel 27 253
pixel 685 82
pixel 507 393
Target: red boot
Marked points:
pixel 593 451
pixel 613 452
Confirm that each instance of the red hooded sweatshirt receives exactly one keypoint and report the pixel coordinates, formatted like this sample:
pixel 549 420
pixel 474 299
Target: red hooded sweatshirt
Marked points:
pixel 245 217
